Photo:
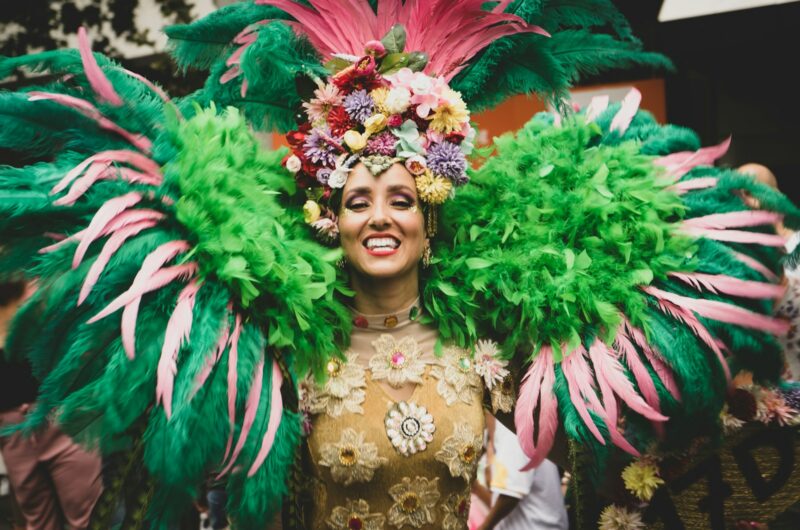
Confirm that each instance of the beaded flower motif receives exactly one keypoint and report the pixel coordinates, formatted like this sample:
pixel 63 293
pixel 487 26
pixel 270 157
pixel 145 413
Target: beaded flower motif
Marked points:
pixel 461 451
pixel 409 427
pixel 351 459
pixel 458 380
pixel 398 362
pixel 343 390
pixel 488 363
pixel 455 511
pixel 355 514
pixel 414 502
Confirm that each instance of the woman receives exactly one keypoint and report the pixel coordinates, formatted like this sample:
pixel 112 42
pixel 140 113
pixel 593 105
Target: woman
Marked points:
pixel 580 247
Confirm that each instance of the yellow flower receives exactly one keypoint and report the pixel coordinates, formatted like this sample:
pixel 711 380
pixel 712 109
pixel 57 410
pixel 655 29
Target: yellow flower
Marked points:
pixel 451 115
pixel 311 211
pixel 641 478
pixel 375 123
pixel 379 96
pixel 433 189
pixel 355 140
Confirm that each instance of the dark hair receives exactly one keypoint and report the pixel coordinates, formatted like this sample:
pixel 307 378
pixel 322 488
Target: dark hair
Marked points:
pixel 11 290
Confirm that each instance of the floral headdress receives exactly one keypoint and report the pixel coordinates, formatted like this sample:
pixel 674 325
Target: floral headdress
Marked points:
pixel 383 104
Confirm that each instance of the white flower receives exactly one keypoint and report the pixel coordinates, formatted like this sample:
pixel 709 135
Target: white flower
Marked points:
pixel 502 395
pixel 730 423
pixel 355 514
pixel 398 362
pixel 409 427
pixel 398 100
pixel 461 451
pixel 458 380
pixel 338 177
pixel 414 502
pixel 416 165
pixel 456 511
pixel 351 459
pixel 344 389
pixel 488 364
pixel 293 164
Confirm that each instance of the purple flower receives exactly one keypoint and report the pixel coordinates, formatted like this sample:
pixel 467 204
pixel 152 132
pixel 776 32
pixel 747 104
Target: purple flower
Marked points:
pixel 447 160
pixel 382 144
pixel 322 148
pixel 359 105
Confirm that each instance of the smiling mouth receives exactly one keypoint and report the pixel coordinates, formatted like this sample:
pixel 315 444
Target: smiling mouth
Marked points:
pixel 381 245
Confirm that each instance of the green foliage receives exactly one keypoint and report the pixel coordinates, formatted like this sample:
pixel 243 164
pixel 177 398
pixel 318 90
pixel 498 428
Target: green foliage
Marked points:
pixel 550 242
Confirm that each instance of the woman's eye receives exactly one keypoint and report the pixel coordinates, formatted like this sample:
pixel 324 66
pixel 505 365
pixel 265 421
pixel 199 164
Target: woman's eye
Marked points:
pixel 403 203
pixel 357 205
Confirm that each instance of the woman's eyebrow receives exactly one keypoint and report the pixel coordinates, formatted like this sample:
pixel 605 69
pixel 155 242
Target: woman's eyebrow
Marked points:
pixel 399 187
pixel 363 190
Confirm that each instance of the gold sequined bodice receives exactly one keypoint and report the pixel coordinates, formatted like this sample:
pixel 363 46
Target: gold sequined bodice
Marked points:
pixel 396 432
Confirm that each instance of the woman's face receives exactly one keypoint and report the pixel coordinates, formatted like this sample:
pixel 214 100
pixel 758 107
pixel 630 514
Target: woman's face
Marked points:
pixel 380 223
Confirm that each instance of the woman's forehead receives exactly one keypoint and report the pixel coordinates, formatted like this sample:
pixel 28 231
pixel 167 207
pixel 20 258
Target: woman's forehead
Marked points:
pixel 397 174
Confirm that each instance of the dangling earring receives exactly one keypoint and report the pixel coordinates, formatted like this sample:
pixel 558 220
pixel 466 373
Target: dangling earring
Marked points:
pixel 427 254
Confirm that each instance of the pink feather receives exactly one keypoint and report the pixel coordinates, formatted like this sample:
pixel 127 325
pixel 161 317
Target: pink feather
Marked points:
pixel 607 368
pixel 597 105
pixel 233 365
pixel 701 183
pixel 527 400
pixel 96 172
pixel 626 112
pixel 756 266
pixel 723 312
pixel 222 343
pixel 143 281
pixel 104 215
pixel 90 111
pixel 644 382
pixel 548 416
pixel 720 283
pixel 232 73
pixel 62 243
pixel 579 383
pixel 250 409
pixel 177 333
pixel 740 219
pixel 661 368
pixel 738 236
pixel 109 249
pixel 97 79
pixel 275 413
pixel 122 156
pixel 678 164
pixel 152 86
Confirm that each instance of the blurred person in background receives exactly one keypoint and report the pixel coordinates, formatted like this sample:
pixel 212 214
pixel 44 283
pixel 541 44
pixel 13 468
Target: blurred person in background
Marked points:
pixel 56 483
pixel 522 500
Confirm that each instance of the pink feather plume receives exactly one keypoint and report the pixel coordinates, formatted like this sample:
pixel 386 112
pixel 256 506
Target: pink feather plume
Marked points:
pixel 644 382
pixel 581 390
pixel 626 112
pixel 542 391
pixel 740 219
pixel 177 333
pixel 275 413
pixel 720 283
pixel 122 156
pixel 233 366
pixel 105 214
pixel 97 79
pixel 90 111
pixel 597 105
pixel 701 183
pixel 757 266
pixel 250 409
pixel 212 360
pixel 655 359
pixel 678 164
pixel 738 236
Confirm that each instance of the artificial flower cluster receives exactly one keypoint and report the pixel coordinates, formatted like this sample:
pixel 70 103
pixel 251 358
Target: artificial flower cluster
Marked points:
pixel 379 109
pixel 750 401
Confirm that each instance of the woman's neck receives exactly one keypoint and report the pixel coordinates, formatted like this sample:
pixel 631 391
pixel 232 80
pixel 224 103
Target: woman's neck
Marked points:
pixel 380 296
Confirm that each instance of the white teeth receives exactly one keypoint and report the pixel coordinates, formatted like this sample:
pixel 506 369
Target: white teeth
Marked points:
pixel 382 242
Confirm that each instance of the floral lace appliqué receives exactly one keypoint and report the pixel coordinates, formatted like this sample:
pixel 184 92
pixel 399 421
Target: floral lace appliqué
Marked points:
pixel 351 459
pixel 355 515
pixel 502 395
pixel 455 512
pixel 458 380
pixel 398 362
pixel 461 451
pixel 409 427
pixel 414 502
pixel 344 389
pixel 488 363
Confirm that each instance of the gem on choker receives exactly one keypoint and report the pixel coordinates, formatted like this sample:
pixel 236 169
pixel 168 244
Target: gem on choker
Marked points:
pixel 361 322
pixel 398 359
pixel 390 321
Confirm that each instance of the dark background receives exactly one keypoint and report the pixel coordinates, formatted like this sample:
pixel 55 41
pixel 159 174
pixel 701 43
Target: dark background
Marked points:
pixel 736 75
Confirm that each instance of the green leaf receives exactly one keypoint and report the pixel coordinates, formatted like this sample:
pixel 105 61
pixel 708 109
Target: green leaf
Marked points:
pixel 474 232
pixel 642 276
pixel 393 62
pixel 336 65
pixel 417 61
pixel 447 289
pixel 546 170
pixel 395 40
pixel 583 261
pixel 316 290
pixel 569 258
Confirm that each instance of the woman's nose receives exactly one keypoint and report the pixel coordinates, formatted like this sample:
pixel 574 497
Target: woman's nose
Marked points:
pixel 380 217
